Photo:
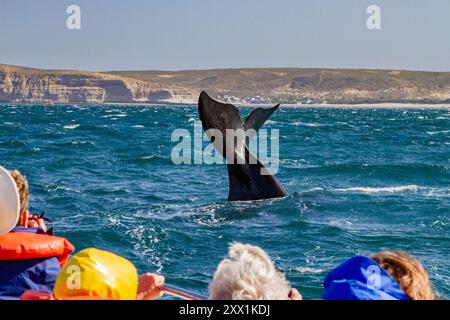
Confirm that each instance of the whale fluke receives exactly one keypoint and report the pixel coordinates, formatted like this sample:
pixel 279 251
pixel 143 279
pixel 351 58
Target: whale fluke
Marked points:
pixel 245 177
pixel 257 117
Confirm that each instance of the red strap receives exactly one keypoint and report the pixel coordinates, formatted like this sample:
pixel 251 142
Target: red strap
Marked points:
pixel 23 220
pixel 36 295
pixel 44 295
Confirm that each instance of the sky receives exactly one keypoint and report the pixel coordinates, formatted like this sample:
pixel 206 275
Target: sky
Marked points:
pixel 205 34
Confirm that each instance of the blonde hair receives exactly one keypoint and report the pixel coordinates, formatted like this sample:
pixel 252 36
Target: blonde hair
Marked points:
pixel 248 273
pixel 22 187
pixel 408 272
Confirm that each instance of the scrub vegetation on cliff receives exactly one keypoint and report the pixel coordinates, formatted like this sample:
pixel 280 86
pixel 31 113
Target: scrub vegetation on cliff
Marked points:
pixel 281 85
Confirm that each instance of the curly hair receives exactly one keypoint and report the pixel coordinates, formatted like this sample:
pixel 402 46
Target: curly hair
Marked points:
pixel 22 187
pixel 408 272
pixel 248 273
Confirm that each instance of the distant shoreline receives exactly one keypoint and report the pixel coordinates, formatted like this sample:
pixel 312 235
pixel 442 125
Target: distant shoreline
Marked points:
pixel 388 105
pixel 299 87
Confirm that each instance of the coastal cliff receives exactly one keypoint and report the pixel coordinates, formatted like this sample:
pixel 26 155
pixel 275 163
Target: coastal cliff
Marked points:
pixel 309 86
pixel 281 85
pixel 26 85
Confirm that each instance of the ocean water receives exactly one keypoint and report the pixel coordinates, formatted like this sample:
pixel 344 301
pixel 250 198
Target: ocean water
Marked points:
pixel 359 180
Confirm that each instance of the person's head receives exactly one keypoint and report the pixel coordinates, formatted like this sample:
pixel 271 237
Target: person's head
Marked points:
pixel 248 273
pixel 22 187
pixel 9 202
pixel 97 274
pixel 408 272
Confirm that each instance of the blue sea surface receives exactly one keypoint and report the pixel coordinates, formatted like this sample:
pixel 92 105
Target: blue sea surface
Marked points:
pixel 359 180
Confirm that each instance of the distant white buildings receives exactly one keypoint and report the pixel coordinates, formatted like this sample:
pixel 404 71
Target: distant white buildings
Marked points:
pixel 262 100
pixel 245 100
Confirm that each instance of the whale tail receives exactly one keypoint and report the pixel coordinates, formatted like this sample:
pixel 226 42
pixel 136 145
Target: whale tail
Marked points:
pixel 249 179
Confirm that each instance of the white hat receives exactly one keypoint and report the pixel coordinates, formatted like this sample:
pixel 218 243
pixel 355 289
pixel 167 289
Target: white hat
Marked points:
pixel 9 202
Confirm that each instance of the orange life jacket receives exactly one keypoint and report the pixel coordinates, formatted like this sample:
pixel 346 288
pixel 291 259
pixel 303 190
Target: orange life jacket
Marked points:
pixel 23 246
pixel 30 261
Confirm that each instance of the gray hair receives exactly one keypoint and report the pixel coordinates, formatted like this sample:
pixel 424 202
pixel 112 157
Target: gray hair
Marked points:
pixel 248 273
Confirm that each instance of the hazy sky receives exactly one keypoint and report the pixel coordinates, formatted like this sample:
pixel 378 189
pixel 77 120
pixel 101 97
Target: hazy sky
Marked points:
pixel 201 34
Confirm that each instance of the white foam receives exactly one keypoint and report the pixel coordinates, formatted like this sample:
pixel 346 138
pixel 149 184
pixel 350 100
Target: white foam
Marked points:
pixel 437 132
pixel 76 142
pixel 308 270
pixel 307 124
pixel 316 189
pixel 437 192
pixel 71 126
pixel 411 187
pixel 296 163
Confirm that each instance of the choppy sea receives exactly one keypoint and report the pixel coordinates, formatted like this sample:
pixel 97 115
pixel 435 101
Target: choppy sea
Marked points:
pixel 359 180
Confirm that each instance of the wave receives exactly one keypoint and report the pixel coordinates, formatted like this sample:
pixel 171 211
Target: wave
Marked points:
pixel 116 115
pixel 307 124
pixel 153 159
pixel 65 146
pixel 431 133
pixel 296 164
pixel 71 126
pixel 315 189
pixel 60 189
pixel 411 187
pixel 82 142
pixel 310 191
pixel 425 191
pixel 428 170
pixel 308 270
pixel 13 143
pixel 437 192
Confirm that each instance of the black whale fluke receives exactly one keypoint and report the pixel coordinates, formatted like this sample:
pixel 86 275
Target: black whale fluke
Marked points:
pixel 246 180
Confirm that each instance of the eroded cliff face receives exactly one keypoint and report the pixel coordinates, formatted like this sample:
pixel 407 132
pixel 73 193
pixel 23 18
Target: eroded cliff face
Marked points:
pixel 281 85
pixel 32 86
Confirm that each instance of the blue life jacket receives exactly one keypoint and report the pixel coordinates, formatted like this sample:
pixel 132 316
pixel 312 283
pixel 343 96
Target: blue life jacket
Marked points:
pixel 361 278
pixel 30 269
pixel 27 230
pixel 33 274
